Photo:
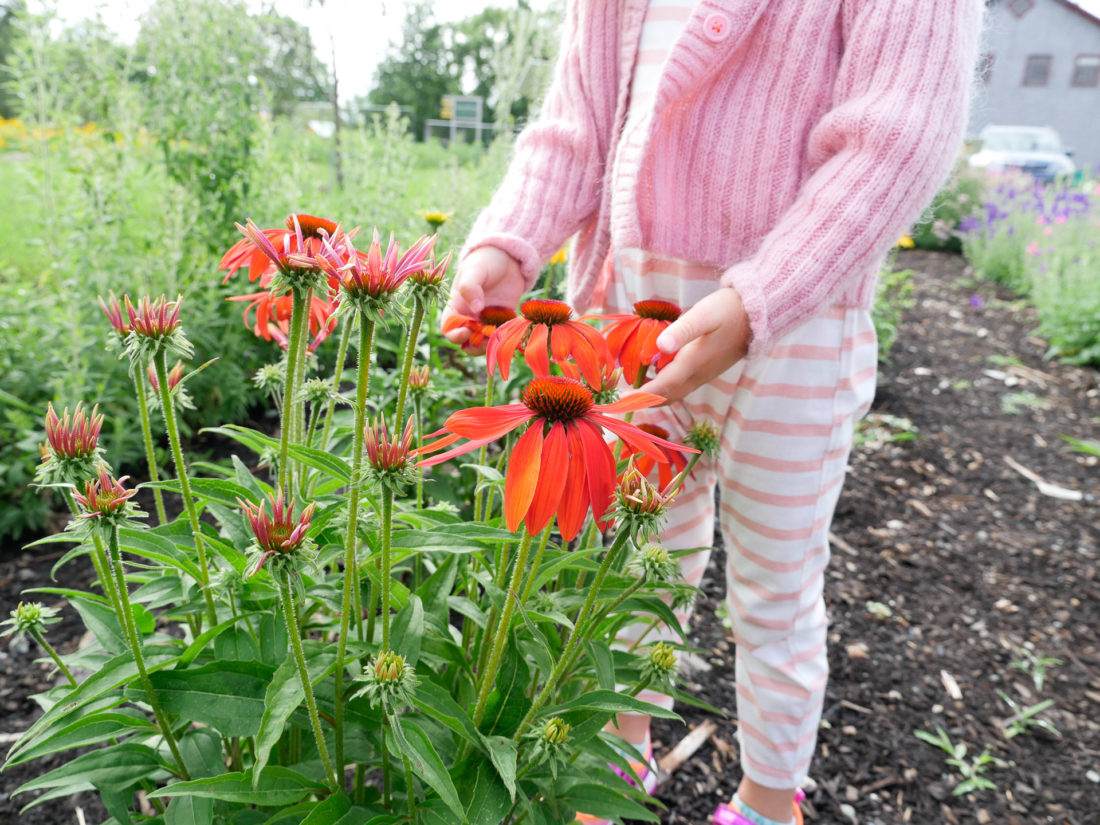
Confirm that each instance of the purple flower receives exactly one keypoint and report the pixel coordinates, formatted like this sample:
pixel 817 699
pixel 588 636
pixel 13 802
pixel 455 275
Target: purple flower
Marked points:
pixel 977 302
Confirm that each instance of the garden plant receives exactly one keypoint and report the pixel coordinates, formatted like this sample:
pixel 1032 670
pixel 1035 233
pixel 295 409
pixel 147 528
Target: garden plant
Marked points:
pixel 315 637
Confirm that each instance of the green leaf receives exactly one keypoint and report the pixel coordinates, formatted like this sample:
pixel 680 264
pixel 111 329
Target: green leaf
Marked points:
pixel 113 674
pixel 438 703
pixel 102 621
pixel 408 630
pixel 610 702
pixel 329 811
pixel 489 799
pixel 451 538
pixel 201 749
pixel 219 490
pixel 150 545
pixel 604 803
pixel 196 647
pixel 114 767
pixel 602 662
pixel 508 703
pixel 502 752
pixel 189 810
pixel 236 643
pixel 283 696
pixel 228 696
pixel 320 460
pixel 90 730
pixel 277 786
pixel 411 740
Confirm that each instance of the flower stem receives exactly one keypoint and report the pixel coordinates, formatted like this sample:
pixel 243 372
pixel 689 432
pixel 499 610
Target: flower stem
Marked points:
pixel 410 790
pixel 484 448
pixel 535 565
pixel 147 436
pixel 129 629
pixel 169 411
pixel 46 646
pixel 295 633
pixel 410 351
pixel 299 308
pixel 387 528
pixel 418 404
pixel 351 541
pixel 386 782
pixel 576 636
pixel 503 628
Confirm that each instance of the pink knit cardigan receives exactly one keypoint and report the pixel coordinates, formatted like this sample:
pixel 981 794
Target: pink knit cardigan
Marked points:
pixel 792 143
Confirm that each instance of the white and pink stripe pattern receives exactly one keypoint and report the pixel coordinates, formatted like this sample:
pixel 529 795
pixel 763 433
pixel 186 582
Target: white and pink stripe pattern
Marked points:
pixel 786 419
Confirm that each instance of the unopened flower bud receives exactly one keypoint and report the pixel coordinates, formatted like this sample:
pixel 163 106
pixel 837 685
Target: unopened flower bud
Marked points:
pixel 556 731
pixel 106 501
pixel 29 617
pixel 704 436
pixel 419 380
pixel 72 453
pixel 654 564
pixel 155 328
pixel 388 461
pixel 389 680
pixel 279 535
pixel 640 505
pixel 660 665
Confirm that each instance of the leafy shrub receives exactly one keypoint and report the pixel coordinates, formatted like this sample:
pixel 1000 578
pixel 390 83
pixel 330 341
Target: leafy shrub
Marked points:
pixel 959 199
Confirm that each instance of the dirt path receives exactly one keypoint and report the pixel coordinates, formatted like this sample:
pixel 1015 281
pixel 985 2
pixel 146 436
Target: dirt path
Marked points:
pixel 973 569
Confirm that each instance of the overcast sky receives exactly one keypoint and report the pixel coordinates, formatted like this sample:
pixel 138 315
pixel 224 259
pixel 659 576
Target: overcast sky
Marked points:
pixel 361 30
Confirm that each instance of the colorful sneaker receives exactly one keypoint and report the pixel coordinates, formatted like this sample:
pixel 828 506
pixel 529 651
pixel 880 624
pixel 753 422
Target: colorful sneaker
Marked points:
pixel 646 771
pixel 729 815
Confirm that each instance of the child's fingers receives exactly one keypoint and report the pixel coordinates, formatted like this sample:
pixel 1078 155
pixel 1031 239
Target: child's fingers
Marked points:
pixel 693 323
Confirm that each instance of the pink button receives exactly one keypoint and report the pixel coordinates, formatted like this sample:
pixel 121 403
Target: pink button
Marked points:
pixel 717 27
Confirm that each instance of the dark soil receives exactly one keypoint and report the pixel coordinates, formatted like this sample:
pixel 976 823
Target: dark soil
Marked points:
pixel 974 566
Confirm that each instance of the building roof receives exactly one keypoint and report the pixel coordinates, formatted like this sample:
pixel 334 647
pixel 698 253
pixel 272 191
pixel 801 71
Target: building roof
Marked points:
pixel 1092 17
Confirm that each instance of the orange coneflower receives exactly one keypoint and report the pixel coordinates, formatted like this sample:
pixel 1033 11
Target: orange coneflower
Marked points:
pixel 553 331
pixel 561 465
pixel 264 250
pixel 632 339
pixel 482 327
pixel 273 312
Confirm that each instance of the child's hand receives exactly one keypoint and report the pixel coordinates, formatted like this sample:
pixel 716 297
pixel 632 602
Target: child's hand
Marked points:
pixel 488 276
pixel 708 339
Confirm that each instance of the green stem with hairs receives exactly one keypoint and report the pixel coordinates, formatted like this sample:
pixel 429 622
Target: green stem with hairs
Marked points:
pixel 351 541
pixel 576 636
pixel 46 646
pixel 503 628
pixel 126 619
pixel 385 561
pixel 147 437
pixel 483 452
pixel 295 634
pixel 299 434
pixel 418 404
pixel 535 565
pixel 99 557
pixel 410 790
pixel 169 411
pixel 338 372
pixel 406 368
pixel 299 309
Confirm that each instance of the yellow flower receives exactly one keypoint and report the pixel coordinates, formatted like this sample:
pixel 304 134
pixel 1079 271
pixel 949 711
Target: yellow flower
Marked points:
pixel 905 242
pixel 559 256
pixel 435 218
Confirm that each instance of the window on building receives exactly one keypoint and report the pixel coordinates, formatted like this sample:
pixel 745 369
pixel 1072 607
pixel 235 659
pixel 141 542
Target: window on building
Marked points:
pixel 1086 70
pixel 985 67
pixel 1020 7
pixel 1037 69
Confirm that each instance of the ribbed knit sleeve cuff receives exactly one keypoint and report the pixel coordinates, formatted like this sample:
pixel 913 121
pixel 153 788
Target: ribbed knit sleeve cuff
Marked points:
pixel 744 278
pixel 530 261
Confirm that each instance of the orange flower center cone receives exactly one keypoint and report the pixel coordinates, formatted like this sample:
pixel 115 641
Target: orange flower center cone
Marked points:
pixel 556 398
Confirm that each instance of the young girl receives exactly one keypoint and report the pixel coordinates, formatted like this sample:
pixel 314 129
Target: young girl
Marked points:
pixel 750 161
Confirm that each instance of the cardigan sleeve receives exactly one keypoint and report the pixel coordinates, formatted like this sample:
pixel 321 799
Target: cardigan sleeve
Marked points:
pixel 877 158
pixel 553 182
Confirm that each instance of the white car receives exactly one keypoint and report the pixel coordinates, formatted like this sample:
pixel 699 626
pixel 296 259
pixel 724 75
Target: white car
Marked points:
pixel 1036 150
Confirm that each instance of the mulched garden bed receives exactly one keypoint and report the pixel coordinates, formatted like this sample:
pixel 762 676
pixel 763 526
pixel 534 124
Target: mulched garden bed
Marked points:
pixel 971 564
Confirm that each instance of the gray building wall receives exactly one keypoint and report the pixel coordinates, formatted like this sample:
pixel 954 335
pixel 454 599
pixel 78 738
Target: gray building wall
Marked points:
pixel 1048 28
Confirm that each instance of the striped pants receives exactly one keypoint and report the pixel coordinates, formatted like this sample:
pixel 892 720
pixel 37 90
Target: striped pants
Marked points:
pixel 786 420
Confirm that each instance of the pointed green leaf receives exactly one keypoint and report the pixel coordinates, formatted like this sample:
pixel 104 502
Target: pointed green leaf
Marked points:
pixel 610 702
pixel 228 696
pixel 329 811
pixel 502 752
pixel 189 810
pixel 278 786
pixel 116 766
pixel 602 802
pixel 411 741
pixel 408 630
pixel 90 730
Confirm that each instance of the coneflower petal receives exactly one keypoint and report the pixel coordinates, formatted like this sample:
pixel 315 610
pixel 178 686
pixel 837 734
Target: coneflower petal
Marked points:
pixel 523 474
pixel 630 403
pixel 487 422
pixel 638 440
pixel 600 470
pixel 573 505
pixel 553 469
pixel 503 344
pixel 536 354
